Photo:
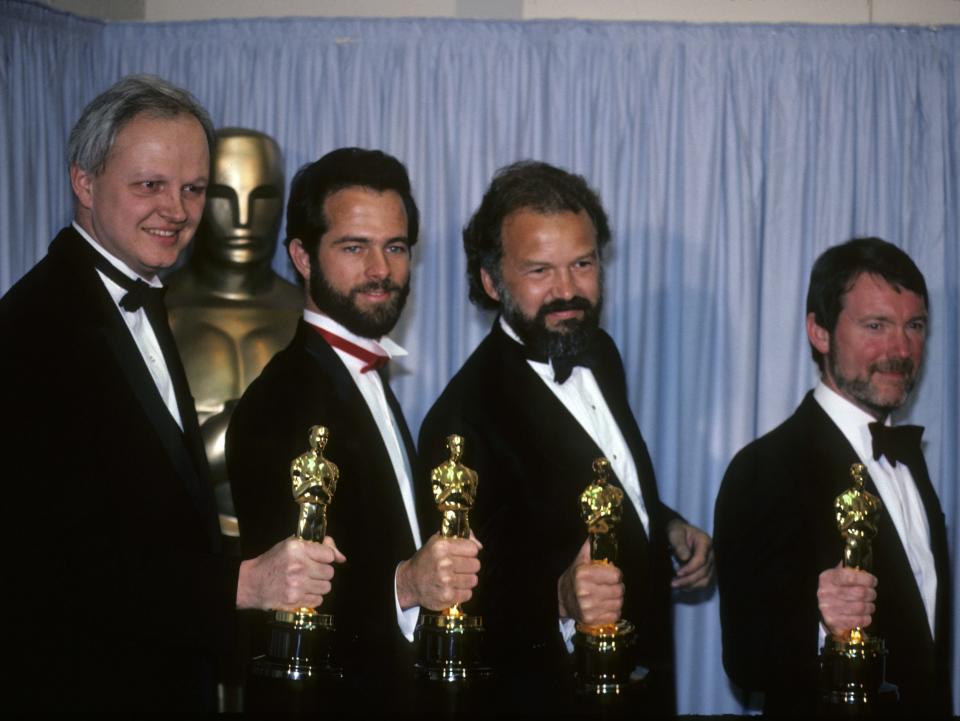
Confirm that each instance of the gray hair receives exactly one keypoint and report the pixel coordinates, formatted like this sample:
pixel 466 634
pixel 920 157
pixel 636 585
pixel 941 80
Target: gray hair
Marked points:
pixel 93 136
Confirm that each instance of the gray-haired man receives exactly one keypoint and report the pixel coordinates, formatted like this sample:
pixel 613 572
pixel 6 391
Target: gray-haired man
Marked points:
pixel 123 599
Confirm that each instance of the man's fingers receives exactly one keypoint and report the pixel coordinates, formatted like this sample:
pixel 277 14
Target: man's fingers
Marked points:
pixel 330 543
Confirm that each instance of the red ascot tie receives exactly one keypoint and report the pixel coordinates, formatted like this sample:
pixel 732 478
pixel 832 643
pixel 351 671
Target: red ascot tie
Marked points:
pixel 373 361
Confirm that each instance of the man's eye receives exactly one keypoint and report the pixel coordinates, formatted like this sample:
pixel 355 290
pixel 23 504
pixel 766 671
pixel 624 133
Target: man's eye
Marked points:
pixel 195 190
pixel 149 184
pixel 398 249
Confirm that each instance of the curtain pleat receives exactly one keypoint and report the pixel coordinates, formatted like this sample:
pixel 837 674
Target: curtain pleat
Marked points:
pixel 728 157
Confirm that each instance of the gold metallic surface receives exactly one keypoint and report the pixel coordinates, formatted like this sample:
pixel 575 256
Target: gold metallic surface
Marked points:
pixel 454 491
pixel 852 663
pixel 450 643
pixel 314 481
pixel 600 505
pixel 229 312
pixel 858 517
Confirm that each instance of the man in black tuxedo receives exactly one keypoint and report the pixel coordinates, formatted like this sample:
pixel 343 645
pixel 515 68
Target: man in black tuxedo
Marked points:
pixel 782 588
pixel 351 224
pixel 123 600
pixel 537 402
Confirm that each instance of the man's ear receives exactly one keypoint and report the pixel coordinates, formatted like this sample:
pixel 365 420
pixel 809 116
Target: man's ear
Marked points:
pixel 818 335
pixel 300 257
pixel 82 183
pixel 488 285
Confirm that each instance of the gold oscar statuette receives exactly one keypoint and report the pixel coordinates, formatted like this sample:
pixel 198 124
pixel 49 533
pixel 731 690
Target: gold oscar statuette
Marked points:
pixel 450 643
pixel 852 665
pixel 301 641
pixel 603 654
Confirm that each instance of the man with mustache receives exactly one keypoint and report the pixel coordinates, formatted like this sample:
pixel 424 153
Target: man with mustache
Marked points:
pixel 351 224
pixel 782 588
pixel 537 402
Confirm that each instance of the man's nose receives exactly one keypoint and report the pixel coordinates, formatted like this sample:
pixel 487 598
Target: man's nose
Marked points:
pixel 173 208
pixel 377 266
pixel 563 285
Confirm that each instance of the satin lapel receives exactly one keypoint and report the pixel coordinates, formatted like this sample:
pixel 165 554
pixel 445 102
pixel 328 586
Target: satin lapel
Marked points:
pixel 938 541
pixel 401 424
pixel 541 416
pixel 890 558
pixel 353 405
pixel 105 323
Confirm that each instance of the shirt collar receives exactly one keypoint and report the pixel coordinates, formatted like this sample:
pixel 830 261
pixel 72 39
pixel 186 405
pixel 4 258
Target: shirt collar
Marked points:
pixel 114 260
pixel 852 420
pixel 383 346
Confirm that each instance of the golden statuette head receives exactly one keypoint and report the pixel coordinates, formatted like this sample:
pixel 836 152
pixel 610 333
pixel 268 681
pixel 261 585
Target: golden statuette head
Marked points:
pixel 858 516
pixel 314 481
pixel 600 510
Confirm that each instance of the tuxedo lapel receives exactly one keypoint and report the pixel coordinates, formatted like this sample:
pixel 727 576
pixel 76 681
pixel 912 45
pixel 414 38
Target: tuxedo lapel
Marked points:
pixel 890 559
pixel 184 449
pixel 352 408
pixel 544 419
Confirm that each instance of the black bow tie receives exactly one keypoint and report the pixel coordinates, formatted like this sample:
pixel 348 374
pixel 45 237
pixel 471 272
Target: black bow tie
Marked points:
pixel 563 367
pixel 897 443
pixel 139 294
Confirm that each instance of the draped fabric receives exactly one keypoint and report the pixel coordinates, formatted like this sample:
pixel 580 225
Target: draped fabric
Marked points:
pixel 728 157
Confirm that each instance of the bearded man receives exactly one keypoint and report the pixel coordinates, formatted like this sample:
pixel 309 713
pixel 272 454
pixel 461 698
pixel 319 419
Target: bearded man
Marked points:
pixel 351 224
pixel 537 402
pixel 782 588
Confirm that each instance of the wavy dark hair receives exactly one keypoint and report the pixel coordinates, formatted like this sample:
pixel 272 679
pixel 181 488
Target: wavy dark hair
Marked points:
pixel 527 184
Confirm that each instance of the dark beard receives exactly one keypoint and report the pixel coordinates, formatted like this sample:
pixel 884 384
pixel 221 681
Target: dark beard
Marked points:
pixel 860 388
pixel 343 308
pixel 575 339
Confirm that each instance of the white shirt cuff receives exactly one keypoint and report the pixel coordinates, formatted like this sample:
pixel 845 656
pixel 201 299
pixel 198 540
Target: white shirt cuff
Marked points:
pixel 568 627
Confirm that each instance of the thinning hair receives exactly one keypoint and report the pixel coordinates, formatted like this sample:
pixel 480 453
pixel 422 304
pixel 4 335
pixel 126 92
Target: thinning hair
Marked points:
pixel 838 268
pixel 92 138
pixel 531 185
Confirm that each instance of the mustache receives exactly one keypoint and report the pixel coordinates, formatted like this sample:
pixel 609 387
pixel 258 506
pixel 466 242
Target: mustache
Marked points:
pixel 377 285
pixel 894 365
pixel 556 306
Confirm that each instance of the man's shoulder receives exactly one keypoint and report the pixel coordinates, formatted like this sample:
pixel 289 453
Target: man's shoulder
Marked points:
pixel 790 449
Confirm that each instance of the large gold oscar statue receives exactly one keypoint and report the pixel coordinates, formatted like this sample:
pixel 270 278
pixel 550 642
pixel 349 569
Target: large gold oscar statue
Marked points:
pixel 230 313
pixel 852 665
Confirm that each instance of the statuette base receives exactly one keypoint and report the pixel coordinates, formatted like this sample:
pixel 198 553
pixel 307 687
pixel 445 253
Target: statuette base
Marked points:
pixel 604 658
pixel 852 677
pixel 450 648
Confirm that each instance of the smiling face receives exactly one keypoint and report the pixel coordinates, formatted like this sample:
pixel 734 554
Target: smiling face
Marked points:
pixel 144 206
pixel 360 275
pixel 550 284
pixel 873 356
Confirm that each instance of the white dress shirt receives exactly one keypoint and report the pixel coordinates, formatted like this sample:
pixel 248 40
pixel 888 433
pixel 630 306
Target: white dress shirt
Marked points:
pixel 582 397
pixel 371 388
pixel 898 491
pixel 139 326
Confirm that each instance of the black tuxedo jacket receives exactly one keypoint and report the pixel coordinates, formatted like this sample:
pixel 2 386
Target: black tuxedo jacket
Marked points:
pixel 121 597
pixel 775 533
pixel 307 384
pixel 534 460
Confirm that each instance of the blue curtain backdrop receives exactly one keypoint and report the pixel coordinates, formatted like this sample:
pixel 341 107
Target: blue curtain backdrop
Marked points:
pixel 728 156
